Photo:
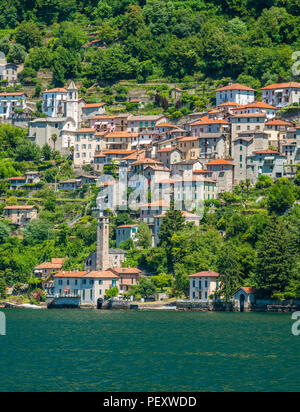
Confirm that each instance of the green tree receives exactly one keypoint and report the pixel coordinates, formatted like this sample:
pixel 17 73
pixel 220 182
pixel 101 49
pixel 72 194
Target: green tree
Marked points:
pixel 37 231
pixel 281 197
pixel 46 152
pixel 4 232
pixel 28 35
pixel 172 222
pixel 276 258
pixel 54 138
pixel 5 45
pixel 112 293
pixel 17 53
pixel 144 236
pixel 146 288
pixel 162 280
pixel 2 288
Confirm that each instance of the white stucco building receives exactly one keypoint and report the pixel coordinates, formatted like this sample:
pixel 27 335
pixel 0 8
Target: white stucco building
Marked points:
pixel 236 93
pixel 203 285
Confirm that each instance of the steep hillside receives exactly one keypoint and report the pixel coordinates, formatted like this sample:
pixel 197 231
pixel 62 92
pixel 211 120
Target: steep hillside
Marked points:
pixel 102 42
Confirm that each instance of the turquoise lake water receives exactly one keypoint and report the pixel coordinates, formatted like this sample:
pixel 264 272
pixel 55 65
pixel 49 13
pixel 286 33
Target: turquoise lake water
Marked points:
pixel 88 350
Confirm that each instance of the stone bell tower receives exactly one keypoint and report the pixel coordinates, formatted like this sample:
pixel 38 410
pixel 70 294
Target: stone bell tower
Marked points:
pixel 102 254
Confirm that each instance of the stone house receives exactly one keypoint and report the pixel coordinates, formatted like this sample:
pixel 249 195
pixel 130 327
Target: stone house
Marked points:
pixel 116 257
pixel 243 147
pixel 254 122
pixel 222 171
pixel 278 131
pixel 169 156
pixel 265 162
pixel 21 215
pixel 189 146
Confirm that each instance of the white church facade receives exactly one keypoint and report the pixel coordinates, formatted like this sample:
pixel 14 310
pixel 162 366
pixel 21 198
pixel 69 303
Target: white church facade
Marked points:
pixel 63 109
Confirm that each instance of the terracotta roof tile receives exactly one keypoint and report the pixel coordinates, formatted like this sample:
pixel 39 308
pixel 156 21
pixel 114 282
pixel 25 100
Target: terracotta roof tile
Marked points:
pixel 235 86
pixel 219 162
pixel 282 86
pixel 205 274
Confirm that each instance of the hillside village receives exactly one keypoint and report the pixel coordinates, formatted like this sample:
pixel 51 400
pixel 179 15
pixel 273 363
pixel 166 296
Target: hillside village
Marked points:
pixel 233 145
pixel 149 150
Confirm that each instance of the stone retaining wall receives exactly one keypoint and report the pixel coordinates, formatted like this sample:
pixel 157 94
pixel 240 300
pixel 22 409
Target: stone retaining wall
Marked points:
pixel 204 306
pixel 288 306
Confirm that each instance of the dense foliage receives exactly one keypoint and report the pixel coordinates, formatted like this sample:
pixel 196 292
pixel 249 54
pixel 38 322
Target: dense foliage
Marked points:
pixel 245 39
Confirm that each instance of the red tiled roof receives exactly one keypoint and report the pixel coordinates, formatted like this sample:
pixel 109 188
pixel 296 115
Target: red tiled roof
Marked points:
pixel 167 150
pixel 282 86
pixel 120 152
pixel 159 203
pixel 248 115
pixel 219 162
pixel 122 134
pixel 126 226
pixel 23 207
pixel 12 94
pixel 70 274
pixel 18 178
pixel 58 260
pixel 93 105
pixel 86 130
pixel 259 105
pixel 188 139
pixel 101 274
pixel 126 271
pixel 207 122
pixel 229 104
pixel 56 90
pixel 167 125
pixel 158 168
pixel 103 117
pixel 235 86
pixel 147 161
pixel 49 265
pixel 267 151
pixel 204 172
pixel 277 122
pixel 250 291
pixel 205 275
